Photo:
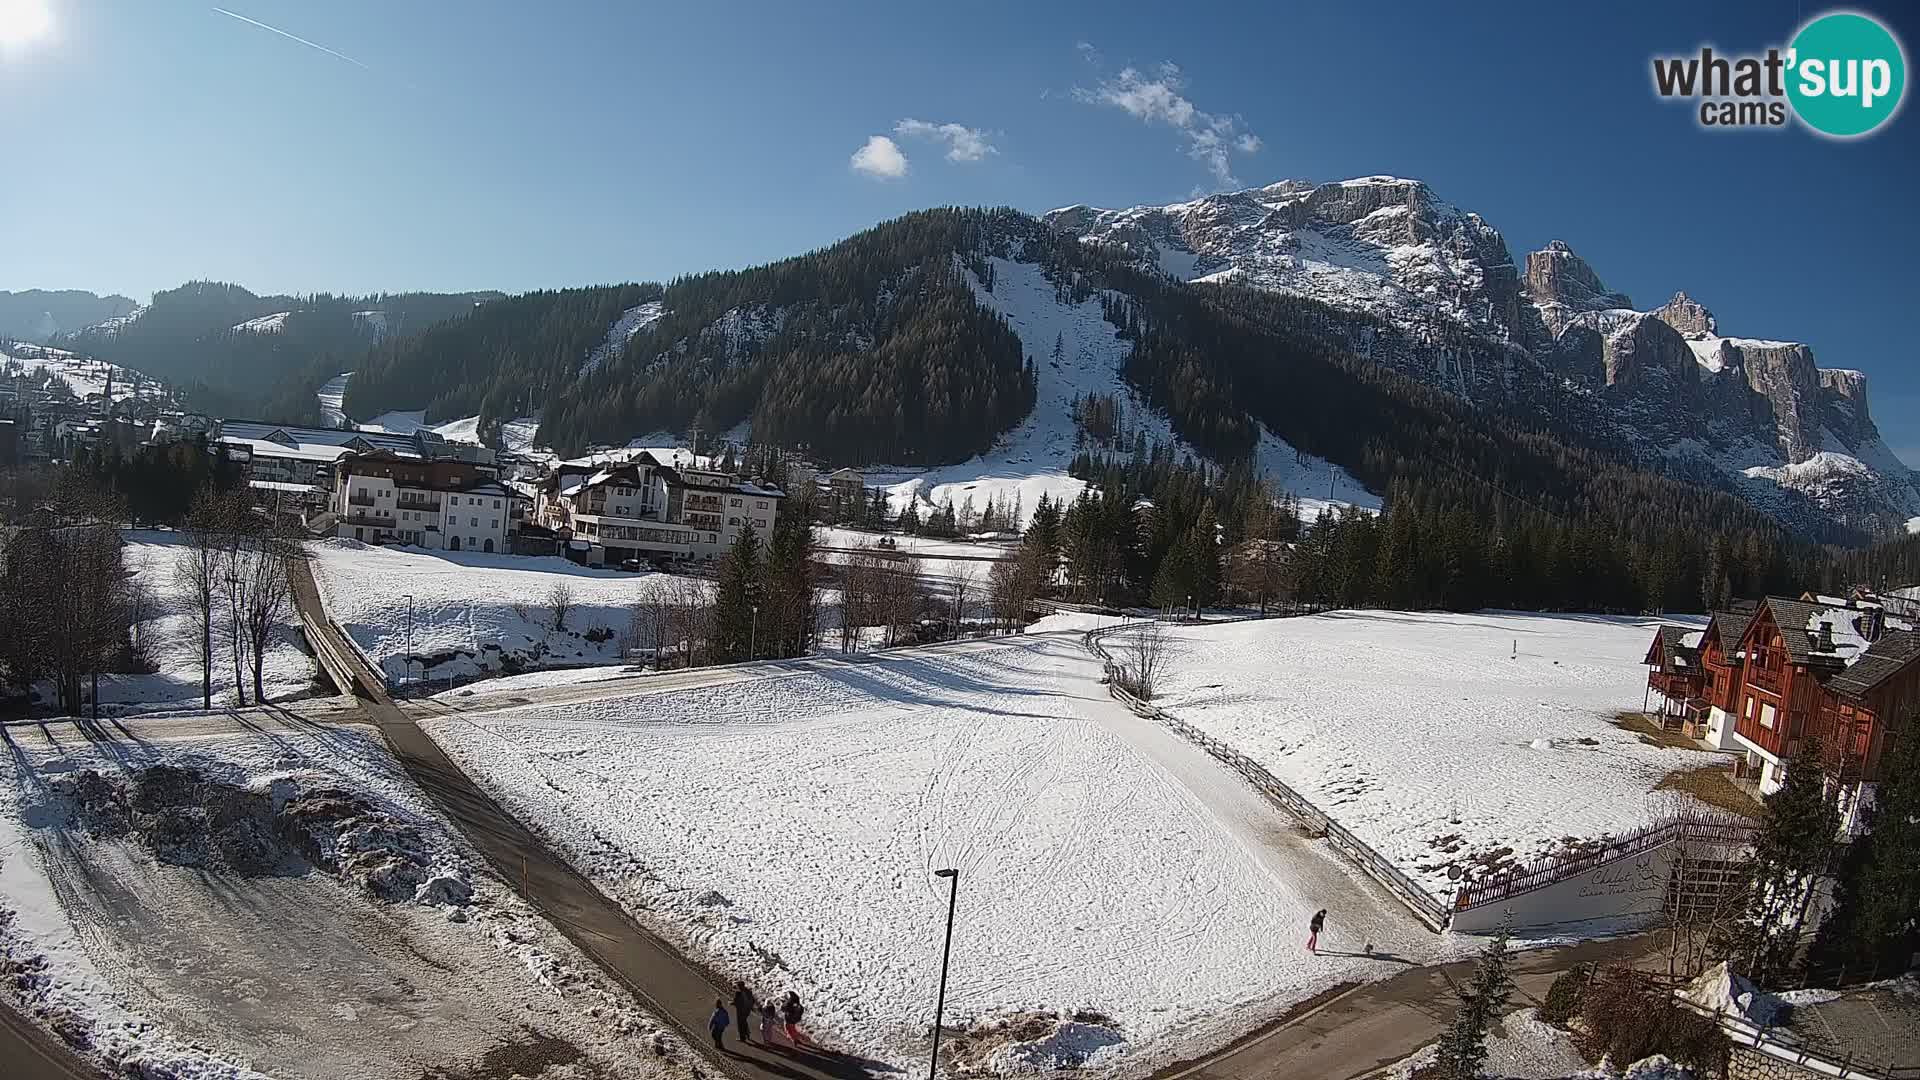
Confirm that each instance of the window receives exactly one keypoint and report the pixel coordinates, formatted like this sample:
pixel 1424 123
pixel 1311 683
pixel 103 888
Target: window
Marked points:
pixel 496 502
pixel 494 524
pixel 760 523
pixel 1766 716
pixel 733 502
pixel 733 521
pixel 760 504
pixel 473 523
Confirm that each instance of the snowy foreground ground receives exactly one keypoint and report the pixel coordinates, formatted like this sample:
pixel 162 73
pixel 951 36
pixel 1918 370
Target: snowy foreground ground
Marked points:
pixel 162 939
pixel 473 613
pixel 786 831
pixel 1435 737
pixel 169 635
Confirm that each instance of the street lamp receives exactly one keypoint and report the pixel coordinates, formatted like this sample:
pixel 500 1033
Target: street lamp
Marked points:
pixel 753 635
pixel 409 675
pixel 946 954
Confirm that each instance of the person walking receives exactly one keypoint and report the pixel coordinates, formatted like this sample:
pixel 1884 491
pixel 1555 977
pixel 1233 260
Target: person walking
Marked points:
pixel 717 1023
pixel 743 1009
pixel 769 1023
pixel 793 1012
pixel 1318 924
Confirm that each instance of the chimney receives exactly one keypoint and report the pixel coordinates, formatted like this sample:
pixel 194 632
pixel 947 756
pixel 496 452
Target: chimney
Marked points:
pixel 1870 624
pixel 1823 642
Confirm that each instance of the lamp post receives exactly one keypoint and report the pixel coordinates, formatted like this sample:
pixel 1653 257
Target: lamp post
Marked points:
pixel 409 675
pixel 946 954
pixel 753 635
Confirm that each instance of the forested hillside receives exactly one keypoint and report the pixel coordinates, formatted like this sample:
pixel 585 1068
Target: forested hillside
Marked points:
pixel 237 354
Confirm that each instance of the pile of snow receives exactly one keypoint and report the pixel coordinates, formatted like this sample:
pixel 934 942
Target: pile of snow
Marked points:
pixel 1723 992
pixel 182 905
pixel 473 614
pixel 785 830
pixel 1521 1047
pixel 1444 741
pixel 169 636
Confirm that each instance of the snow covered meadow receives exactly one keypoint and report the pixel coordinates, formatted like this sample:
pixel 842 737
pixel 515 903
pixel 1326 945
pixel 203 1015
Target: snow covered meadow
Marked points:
pixel 225 899
pixel 1436 738
pixel 473 613
pixel 785 829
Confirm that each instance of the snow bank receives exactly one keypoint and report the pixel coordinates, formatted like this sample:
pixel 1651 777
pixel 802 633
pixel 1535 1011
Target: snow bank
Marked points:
pixel 1439 739
pixel 473 614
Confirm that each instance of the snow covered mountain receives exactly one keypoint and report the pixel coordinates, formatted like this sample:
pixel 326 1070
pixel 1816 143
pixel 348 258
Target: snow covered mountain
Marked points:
pixel 1757 417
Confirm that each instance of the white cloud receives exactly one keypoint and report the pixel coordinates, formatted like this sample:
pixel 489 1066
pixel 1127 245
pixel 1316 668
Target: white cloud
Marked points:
pixel 1212 138
pixel 880 158
pixel 963 143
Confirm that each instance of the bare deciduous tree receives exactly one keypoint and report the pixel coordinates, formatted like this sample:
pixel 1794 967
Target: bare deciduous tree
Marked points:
pixel 560 603
pixel 1144 657
pixel 196 573
pixel 269 595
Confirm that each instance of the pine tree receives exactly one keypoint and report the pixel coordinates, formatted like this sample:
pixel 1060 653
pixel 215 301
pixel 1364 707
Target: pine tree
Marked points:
pixel 1790 853
pixel 1875 925
pixel 736 595
pixel 1483 1001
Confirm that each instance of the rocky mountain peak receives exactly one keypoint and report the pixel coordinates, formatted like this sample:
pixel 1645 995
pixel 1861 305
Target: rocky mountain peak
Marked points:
pixel 1688 316
pixel 1562 284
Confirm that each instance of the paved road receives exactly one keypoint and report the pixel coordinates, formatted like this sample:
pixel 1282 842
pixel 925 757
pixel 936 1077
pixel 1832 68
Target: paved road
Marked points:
pixel 29 1053
pixel 1374 1025
pixel 672 987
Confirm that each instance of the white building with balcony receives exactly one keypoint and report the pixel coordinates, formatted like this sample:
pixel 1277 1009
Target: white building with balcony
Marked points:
pixel 652 512
pixel 385 498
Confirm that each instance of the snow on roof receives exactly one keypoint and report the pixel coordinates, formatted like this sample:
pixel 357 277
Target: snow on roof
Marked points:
pixel 1692 640
pixel 572 489
pixel 277 485
pixel 299 452
pixel 1848 642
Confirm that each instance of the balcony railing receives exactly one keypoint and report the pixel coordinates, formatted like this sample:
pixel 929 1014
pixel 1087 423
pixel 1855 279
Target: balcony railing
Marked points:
pixel 362 519
pixel 1768 679
pixel 360 500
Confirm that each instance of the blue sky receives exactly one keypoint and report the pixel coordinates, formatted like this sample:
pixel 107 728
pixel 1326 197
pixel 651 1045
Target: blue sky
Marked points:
pixel 513 145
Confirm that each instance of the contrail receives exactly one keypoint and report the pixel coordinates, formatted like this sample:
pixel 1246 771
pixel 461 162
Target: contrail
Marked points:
pixel 291 37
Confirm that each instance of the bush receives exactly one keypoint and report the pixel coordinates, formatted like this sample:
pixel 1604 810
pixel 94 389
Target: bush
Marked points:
pixel 1563 997
pixel 1628 1018
pixel 599 634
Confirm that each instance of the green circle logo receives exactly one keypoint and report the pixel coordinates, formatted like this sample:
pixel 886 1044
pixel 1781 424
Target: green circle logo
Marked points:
pixel 1846 75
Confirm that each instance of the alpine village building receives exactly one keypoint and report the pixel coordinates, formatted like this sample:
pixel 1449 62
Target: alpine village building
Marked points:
pixel 1763 678
pixel 643 510
pixel 382 497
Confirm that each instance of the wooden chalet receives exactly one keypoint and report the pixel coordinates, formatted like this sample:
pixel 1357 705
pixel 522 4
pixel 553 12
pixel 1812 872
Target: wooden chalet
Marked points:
pixel 1675 672
pixel 1836 670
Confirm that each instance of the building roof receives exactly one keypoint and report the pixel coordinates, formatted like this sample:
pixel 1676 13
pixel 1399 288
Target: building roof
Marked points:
pixel 1731 628
pixel 1791 617
pixel 1884 659
pixel 1679 648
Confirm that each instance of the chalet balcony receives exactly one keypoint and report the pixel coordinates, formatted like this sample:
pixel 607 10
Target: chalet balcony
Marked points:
pixel 431 506
pixel 705 502
pixel 1772 680
pixel 368 521
pixel 710 522
pixel 360 500
pixel 1680 687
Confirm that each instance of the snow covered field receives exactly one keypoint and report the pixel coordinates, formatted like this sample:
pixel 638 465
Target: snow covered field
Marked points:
pixel 159 914
pixel 786 829
pixel 170 637
pixel 85 376
pixel 1427 734
pixel 473 613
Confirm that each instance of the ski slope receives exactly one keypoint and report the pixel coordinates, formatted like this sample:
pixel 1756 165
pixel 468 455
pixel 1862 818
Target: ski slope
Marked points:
pixel 1032 460
pixel 785 830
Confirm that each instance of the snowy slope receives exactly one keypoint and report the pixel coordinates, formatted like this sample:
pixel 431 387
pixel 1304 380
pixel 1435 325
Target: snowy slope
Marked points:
pixel 631 321
pixel 473 614
pixel 1032 459
pixel 330 397
pixel 85 375
pixel 264 324
pixel 786 829
pixel 1427 736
